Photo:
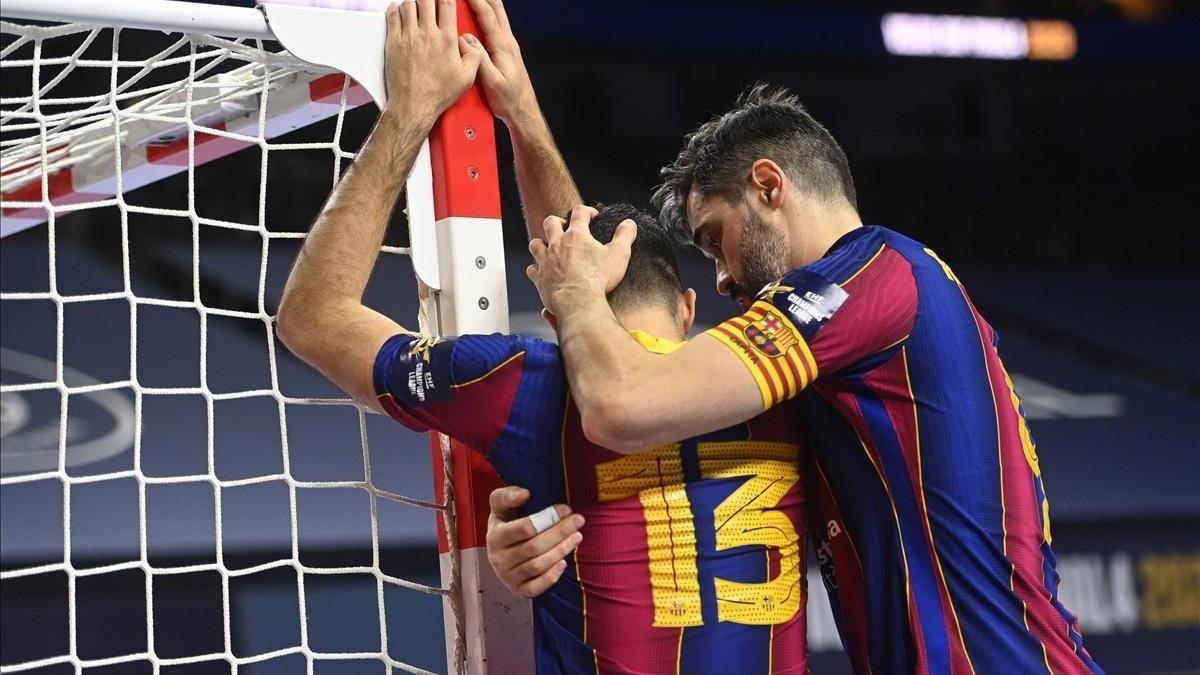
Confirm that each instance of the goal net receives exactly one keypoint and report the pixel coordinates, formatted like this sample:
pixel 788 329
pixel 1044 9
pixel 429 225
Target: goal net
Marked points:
pixel 178 492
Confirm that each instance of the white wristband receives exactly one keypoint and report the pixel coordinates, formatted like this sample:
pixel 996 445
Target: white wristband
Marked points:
pixel 544 519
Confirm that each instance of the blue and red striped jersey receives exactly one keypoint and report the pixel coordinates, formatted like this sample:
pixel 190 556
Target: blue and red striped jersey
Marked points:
pixel 930 521
pixel 693 554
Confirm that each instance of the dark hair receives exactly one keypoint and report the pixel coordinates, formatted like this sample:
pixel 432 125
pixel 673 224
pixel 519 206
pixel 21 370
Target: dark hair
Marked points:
pixel 765 122
pixel 653 274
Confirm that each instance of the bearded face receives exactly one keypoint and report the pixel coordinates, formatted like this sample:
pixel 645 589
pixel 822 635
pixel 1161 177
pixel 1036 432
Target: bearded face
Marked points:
pixel 764 254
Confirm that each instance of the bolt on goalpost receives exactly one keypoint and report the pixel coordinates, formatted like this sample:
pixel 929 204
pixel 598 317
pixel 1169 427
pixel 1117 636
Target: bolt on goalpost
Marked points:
pixel 453 211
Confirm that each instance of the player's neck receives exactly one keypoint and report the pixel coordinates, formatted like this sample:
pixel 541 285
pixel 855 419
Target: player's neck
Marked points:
pixel 815 227
pixel 653 321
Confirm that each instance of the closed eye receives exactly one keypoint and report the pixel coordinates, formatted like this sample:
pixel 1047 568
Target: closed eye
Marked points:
pixel 706 244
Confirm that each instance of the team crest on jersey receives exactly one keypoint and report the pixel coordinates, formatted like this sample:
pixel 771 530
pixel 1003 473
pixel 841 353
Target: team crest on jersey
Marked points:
pixel 771 335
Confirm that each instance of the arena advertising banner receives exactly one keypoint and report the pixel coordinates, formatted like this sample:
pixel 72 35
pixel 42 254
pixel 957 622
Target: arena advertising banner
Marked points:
pixel 1135 588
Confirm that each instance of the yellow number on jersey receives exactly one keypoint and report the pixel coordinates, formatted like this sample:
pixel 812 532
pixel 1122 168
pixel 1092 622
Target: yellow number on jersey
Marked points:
pixel 656 477
pixel 945 268
pixel 748 517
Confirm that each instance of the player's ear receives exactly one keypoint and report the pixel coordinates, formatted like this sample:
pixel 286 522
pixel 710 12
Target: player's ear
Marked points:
pixel 549 317
pixel 687 309
pixel 767 183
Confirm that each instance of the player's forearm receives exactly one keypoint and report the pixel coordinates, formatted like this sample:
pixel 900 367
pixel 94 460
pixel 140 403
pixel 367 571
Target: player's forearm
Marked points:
pixel 339 254
pixel 543 179
pixel 630 400
pixel 604 366
pixel 323 297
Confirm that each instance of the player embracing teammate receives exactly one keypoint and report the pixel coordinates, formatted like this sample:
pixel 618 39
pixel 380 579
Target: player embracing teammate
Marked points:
pixel 927 500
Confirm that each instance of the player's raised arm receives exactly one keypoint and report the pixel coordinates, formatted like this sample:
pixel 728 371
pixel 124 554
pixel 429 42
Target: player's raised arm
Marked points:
pixel 321 316
pixel 819 320
pixel 545 183
pixel 629 398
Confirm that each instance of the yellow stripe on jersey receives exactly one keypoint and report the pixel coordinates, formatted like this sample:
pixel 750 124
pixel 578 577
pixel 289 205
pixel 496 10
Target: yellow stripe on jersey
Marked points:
pixel 1030 449
pixel 656 477
pixel 772 349
pixel 729 335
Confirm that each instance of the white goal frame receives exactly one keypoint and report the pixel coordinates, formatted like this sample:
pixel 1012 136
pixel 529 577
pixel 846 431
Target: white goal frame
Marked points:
pixel 454 220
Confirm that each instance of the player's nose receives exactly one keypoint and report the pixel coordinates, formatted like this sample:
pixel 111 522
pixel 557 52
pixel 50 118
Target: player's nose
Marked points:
pixel 724 279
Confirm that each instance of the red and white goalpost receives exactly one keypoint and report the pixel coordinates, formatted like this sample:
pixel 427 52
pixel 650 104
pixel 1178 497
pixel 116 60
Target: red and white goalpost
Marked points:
pixel 61 155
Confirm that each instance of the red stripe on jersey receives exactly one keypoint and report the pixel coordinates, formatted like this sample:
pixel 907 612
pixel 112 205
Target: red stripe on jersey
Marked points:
pixel 891 382
pixel 789 640
pixel 848 577
pixel 726 330
pixel 778 369
pixel 1023 532
pixel 847 403
pixel 612 565
pixel 880 311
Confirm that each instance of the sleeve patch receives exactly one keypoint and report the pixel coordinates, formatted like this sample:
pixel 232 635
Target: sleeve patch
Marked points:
pixel 415 371
pixel 808 299
pixel 772 348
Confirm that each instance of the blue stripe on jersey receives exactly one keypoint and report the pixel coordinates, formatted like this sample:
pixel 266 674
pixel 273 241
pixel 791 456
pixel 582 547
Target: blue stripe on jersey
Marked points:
pixel 558 651
pixel 529 450
pixel 529 453
pixel 1049 561
pixel 949 377
pixel 855 249
pixel 850 472
pixel 1050 579
pixel 720 646
pixel 921 574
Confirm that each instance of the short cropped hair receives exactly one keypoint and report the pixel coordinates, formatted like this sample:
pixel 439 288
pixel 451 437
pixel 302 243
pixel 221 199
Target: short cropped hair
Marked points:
pixel 653 273
pixel 765 123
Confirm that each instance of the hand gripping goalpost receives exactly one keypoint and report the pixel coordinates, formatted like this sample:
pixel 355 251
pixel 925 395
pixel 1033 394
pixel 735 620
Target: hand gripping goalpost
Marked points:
pixel 453 208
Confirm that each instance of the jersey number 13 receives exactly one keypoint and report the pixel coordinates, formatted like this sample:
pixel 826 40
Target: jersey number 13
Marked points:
pixel 748 517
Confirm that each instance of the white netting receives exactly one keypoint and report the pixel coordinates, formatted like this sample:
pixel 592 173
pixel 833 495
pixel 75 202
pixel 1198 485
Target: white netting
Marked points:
pixel 208 91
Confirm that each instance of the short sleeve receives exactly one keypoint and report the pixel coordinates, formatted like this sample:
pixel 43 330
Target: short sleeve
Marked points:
pixel 823 319
pixel 463 387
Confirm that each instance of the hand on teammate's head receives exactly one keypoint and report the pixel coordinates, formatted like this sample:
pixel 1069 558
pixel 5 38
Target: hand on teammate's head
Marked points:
pixel 427 64
pixel 572 261
pixel 528 563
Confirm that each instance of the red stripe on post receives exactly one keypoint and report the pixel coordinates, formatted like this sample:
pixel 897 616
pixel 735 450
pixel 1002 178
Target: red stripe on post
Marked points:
pixel 462 147
pixel 60 189
pixel 208 148
pixel 58 185
pixel 473 482
pixel 328 89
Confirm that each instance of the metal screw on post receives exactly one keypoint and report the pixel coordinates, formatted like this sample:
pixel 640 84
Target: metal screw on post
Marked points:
pixel 469 132
pixel 480 263
pixel 483 303
pixel 472 173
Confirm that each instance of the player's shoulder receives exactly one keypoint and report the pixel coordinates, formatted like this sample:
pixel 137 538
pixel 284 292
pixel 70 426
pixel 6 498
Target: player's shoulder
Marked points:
pixel 477 354
pixel 865 252
pixel 859 249
pixel 870 263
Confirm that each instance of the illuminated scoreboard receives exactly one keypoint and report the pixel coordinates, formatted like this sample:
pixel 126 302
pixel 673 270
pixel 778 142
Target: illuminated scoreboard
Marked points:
pixel 978 37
